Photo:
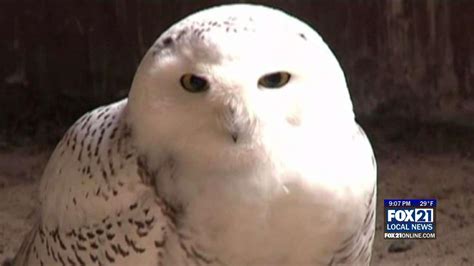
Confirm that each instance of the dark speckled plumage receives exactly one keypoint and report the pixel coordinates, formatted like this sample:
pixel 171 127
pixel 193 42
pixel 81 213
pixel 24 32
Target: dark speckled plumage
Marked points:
pixel 110 195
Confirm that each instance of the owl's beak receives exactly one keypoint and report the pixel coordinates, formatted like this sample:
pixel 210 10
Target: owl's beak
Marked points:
pixel 237 122
pixel 234 127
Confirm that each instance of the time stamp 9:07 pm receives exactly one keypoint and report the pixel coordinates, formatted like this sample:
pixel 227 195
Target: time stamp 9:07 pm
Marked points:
pixel 408 203
pixel 410 218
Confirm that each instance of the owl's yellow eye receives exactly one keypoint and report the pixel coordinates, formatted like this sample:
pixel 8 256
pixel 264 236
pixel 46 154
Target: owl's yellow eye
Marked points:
pixel 193 83
pixel 274 80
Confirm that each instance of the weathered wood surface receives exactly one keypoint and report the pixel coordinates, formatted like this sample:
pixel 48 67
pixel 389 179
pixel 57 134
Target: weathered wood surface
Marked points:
pixel 401 57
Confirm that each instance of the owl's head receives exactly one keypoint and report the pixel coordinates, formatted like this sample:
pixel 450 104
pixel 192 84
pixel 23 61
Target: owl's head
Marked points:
pixel 230 74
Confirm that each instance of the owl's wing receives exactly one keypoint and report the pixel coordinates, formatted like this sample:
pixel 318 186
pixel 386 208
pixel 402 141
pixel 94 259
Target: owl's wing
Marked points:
pixel 357 248
pixel 23 253
pixel 97 204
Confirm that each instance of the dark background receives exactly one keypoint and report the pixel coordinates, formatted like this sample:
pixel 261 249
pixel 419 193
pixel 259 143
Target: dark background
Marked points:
pixel 405 60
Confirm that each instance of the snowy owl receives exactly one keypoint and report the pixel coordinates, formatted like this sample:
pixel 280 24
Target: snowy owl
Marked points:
pixel 237 145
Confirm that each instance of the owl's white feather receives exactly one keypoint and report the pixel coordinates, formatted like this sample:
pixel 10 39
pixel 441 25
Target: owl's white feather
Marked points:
pixel 238 174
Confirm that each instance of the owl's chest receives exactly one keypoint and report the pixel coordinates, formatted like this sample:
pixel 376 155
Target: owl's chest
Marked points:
pixel 269 223
pixel 268 207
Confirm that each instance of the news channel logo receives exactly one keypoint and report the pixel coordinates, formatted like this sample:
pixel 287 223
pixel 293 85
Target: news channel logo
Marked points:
pixel 410 218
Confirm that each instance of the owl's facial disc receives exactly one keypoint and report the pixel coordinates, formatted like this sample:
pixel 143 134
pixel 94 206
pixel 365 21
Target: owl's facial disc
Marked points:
pixel 235 104
pixel 236 76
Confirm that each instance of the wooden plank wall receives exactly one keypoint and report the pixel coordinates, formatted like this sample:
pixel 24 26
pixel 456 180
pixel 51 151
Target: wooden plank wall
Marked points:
pixel 401 57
